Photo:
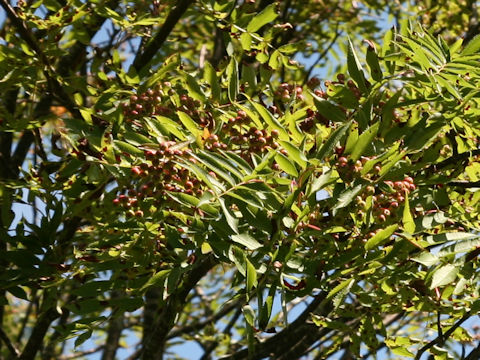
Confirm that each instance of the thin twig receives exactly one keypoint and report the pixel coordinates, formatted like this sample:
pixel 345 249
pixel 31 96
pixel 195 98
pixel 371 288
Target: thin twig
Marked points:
pixel 338 32
pixel 11 348
pixel 143 58
pixel 447 334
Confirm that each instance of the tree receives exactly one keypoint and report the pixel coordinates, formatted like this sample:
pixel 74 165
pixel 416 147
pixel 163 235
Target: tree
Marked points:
pixel 175 171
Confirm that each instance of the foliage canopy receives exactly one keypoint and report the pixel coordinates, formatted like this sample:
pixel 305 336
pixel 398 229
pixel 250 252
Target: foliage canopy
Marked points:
pixel 174 171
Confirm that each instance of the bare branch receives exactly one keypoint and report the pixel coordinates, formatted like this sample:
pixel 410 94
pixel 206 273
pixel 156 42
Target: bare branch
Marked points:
pixel 154 345
pixel 445 336
pixel 11 348
pixel 142 59
pixel 81 353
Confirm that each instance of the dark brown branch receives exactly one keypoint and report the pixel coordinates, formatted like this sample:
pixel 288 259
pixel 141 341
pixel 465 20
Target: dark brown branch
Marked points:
pixel 453 160
pixel 296 332
pixel 54 85
pixel 445 336
pixel 11 348
pixel 464 184
pixel 81 353
pixel 115 329
pixel 39 331
pixel 211 319
pixel 474 354
pixel 142 59
pixel 322 54
pixel 154 345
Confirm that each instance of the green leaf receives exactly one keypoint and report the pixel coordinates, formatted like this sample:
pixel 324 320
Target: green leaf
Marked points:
pixel 188 122
pixel 295 153
pixel 18 292
pixel 286 165
pixel 156 279
pixel 247 241
pixel 407 220
pixel 426 258
pixel 444 275
pixel 380 236
pixel 249 314
pixel 270 120
pixel 246 41
pixel 400 351
pixel 364 141
pixel 251 276
pixel 83 337
pixel 472 47
pixel 332 141
pixel 194 89
pixel 170 63
pixel 211 78
pixel 355 67
pixel 373 64
pixel 126 147
pixel 346 197
pixel 232 221
pixel 329 110
pixel 262 18
pixel 232 79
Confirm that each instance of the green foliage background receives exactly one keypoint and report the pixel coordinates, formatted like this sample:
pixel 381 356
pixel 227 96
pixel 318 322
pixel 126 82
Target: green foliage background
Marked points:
pixel 215 176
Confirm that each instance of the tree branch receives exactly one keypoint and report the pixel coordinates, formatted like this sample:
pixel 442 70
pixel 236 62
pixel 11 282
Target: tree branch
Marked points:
pixel 464 184
pixel 113 338
pixel 39 331
pixel 282 342
pixel 474 354
pixel 154 345
pixel 211 319
pixel 453 160
pixel 11 348
pixel 142 59
pixel 445 336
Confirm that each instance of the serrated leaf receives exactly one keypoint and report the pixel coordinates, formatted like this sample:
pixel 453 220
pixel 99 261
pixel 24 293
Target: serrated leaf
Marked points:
pixel 286 165
pixel 355 67
pixel 232 79
pixel 444 275
pixel 380 236
pixel 407 220
pixel 126 147
pixel 210 76
pixel 194 89
pixel 295 153
pixel 270 120
pixel 156 279
pixel 364 141
pixel 374 64
pixel 232 221
pixel 188 122
pixel 328 109
pixel 247 241
pixel 333 139
pixel 426 258
pixel 251 276
pixel 346 197
pixel 402 352
pixel 263 18
pixel 472 47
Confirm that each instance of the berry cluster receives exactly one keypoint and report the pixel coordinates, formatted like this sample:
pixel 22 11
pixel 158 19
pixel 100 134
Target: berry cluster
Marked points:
pixel 249 139
pixel 146 104
pixel 386 203
pixel 285 92
pixel 156 176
